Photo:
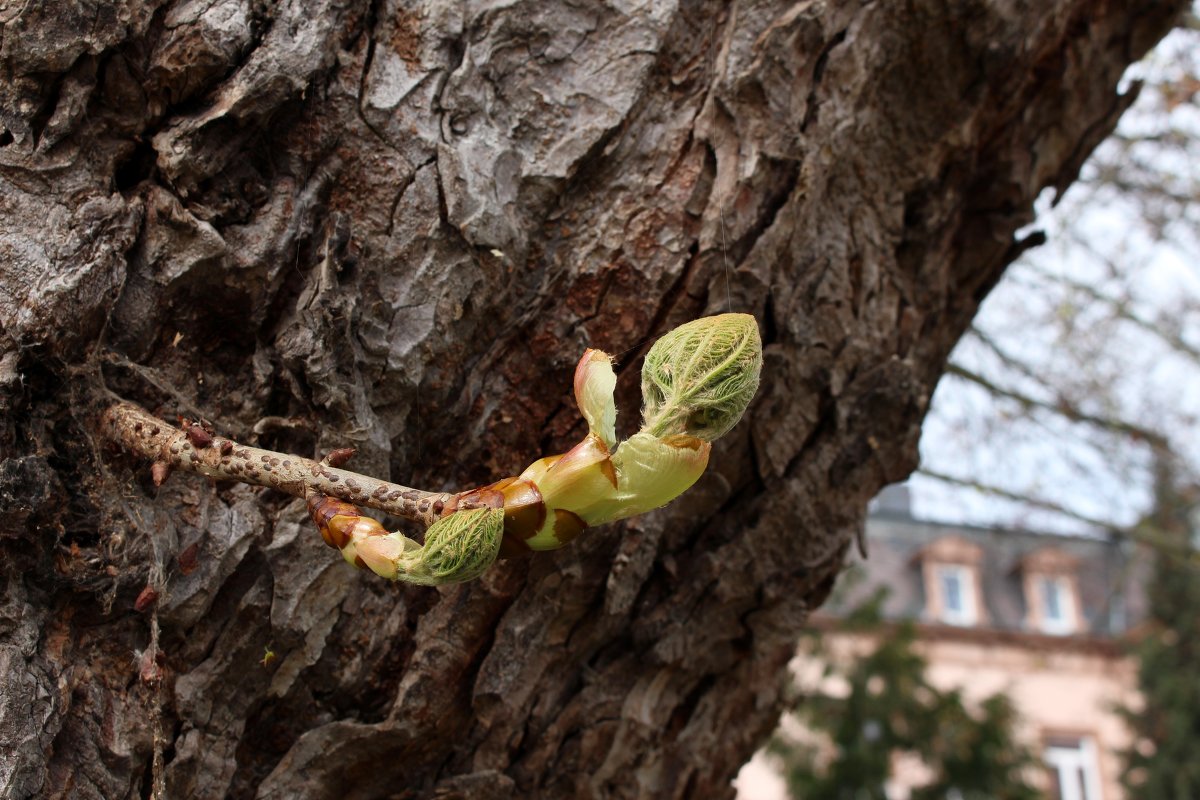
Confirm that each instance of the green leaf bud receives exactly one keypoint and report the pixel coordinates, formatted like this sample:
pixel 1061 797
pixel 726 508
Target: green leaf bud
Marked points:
pixel 651 472
pixel 458 548
pixel 699 378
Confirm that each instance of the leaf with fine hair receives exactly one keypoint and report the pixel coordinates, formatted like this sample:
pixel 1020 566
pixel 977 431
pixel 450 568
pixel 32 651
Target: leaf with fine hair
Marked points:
pixel 699 378
pixel 458 548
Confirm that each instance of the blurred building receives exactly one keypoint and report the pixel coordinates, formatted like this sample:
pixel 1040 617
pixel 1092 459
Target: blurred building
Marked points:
pixel 1039 618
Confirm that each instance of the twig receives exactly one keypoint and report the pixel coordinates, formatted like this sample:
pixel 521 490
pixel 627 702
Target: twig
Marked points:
pixel 703 376
pixel 1066 409
pixel 1143 532
pixel 1034 502
pixel 1122 307
pixel 193 449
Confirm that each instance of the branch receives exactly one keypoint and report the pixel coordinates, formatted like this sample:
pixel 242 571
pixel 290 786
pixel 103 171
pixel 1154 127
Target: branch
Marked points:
pixel 1008 359
pixel 1035 502
pixel 1120 306
pixel 1064 408
pixel 702 376
pixel 1143 532
pixel 193 449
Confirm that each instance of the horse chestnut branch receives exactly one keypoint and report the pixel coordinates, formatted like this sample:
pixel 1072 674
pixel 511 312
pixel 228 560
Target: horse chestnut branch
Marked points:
pixel 697 382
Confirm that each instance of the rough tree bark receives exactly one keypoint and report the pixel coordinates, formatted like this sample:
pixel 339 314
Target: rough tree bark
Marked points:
pixel 395 225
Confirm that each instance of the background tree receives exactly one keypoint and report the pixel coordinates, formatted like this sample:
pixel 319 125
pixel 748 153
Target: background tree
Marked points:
pixel 1080 376
pixel 1161 765
pixel 396 225
pixel 1074 395
pixel 888 711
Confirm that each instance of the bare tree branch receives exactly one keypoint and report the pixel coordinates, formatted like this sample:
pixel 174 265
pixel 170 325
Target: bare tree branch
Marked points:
pixel 1019 497
pixel 193 449
pixel 1065 408
pixel 1120 307
pixel 1142 532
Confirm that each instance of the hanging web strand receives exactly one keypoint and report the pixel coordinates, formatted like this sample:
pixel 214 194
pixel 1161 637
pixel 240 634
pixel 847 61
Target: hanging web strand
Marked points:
pixel 724 252
pixel 712 87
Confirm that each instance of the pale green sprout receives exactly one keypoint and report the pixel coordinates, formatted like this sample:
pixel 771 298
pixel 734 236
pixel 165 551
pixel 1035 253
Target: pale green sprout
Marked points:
pixel 457 548
pixel 699 378
pixel 697 382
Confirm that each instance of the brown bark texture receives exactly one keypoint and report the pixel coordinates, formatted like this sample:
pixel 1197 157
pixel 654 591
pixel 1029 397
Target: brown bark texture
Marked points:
pixel 395 225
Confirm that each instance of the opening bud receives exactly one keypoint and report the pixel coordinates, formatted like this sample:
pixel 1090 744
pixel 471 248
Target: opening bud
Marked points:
pixel 458 548
pixel 699 378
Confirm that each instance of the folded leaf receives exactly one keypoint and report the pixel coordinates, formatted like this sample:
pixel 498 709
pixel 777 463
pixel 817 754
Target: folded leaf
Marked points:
pixel 594 385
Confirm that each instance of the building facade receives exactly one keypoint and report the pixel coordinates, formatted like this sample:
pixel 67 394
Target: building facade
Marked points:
pixel 1039 618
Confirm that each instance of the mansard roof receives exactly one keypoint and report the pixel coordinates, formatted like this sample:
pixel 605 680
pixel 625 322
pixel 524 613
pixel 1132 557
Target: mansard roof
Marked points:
pixel 1110 573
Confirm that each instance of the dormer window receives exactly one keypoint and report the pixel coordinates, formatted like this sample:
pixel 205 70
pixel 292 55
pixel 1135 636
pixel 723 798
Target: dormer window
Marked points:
pixel 957 585
pixel 1051 592
pixel 1058 610
pixel 950 568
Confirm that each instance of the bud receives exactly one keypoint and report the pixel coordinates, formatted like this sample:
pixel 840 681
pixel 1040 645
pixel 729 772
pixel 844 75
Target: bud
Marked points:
pixel 458 548
pixel 382 554
pixel 146 598
pixel 651 472
pixel 699 378
pixel 697 382
pixel 577 478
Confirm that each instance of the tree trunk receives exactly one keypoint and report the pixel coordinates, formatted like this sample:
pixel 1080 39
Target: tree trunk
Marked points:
pixel 396 225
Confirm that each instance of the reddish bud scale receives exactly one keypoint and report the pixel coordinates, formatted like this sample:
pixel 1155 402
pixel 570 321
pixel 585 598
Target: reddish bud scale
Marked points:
pixel 524 510
pixel 145 599
pixel 199 437
pixel 188 559
pixel 335 520
pixel 340 456
pixel 483 497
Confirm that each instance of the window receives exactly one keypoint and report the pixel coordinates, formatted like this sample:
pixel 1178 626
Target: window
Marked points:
pixel 1073 773
pixel 957 587
pixel 1057 606
pixel 950 576
pixel 1052 600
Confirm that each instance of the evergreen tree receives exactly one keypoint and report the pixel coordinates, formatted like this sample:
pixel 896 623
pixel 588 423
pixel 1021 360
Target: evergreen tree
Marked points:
pixel 1162 764
pixel 891 709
